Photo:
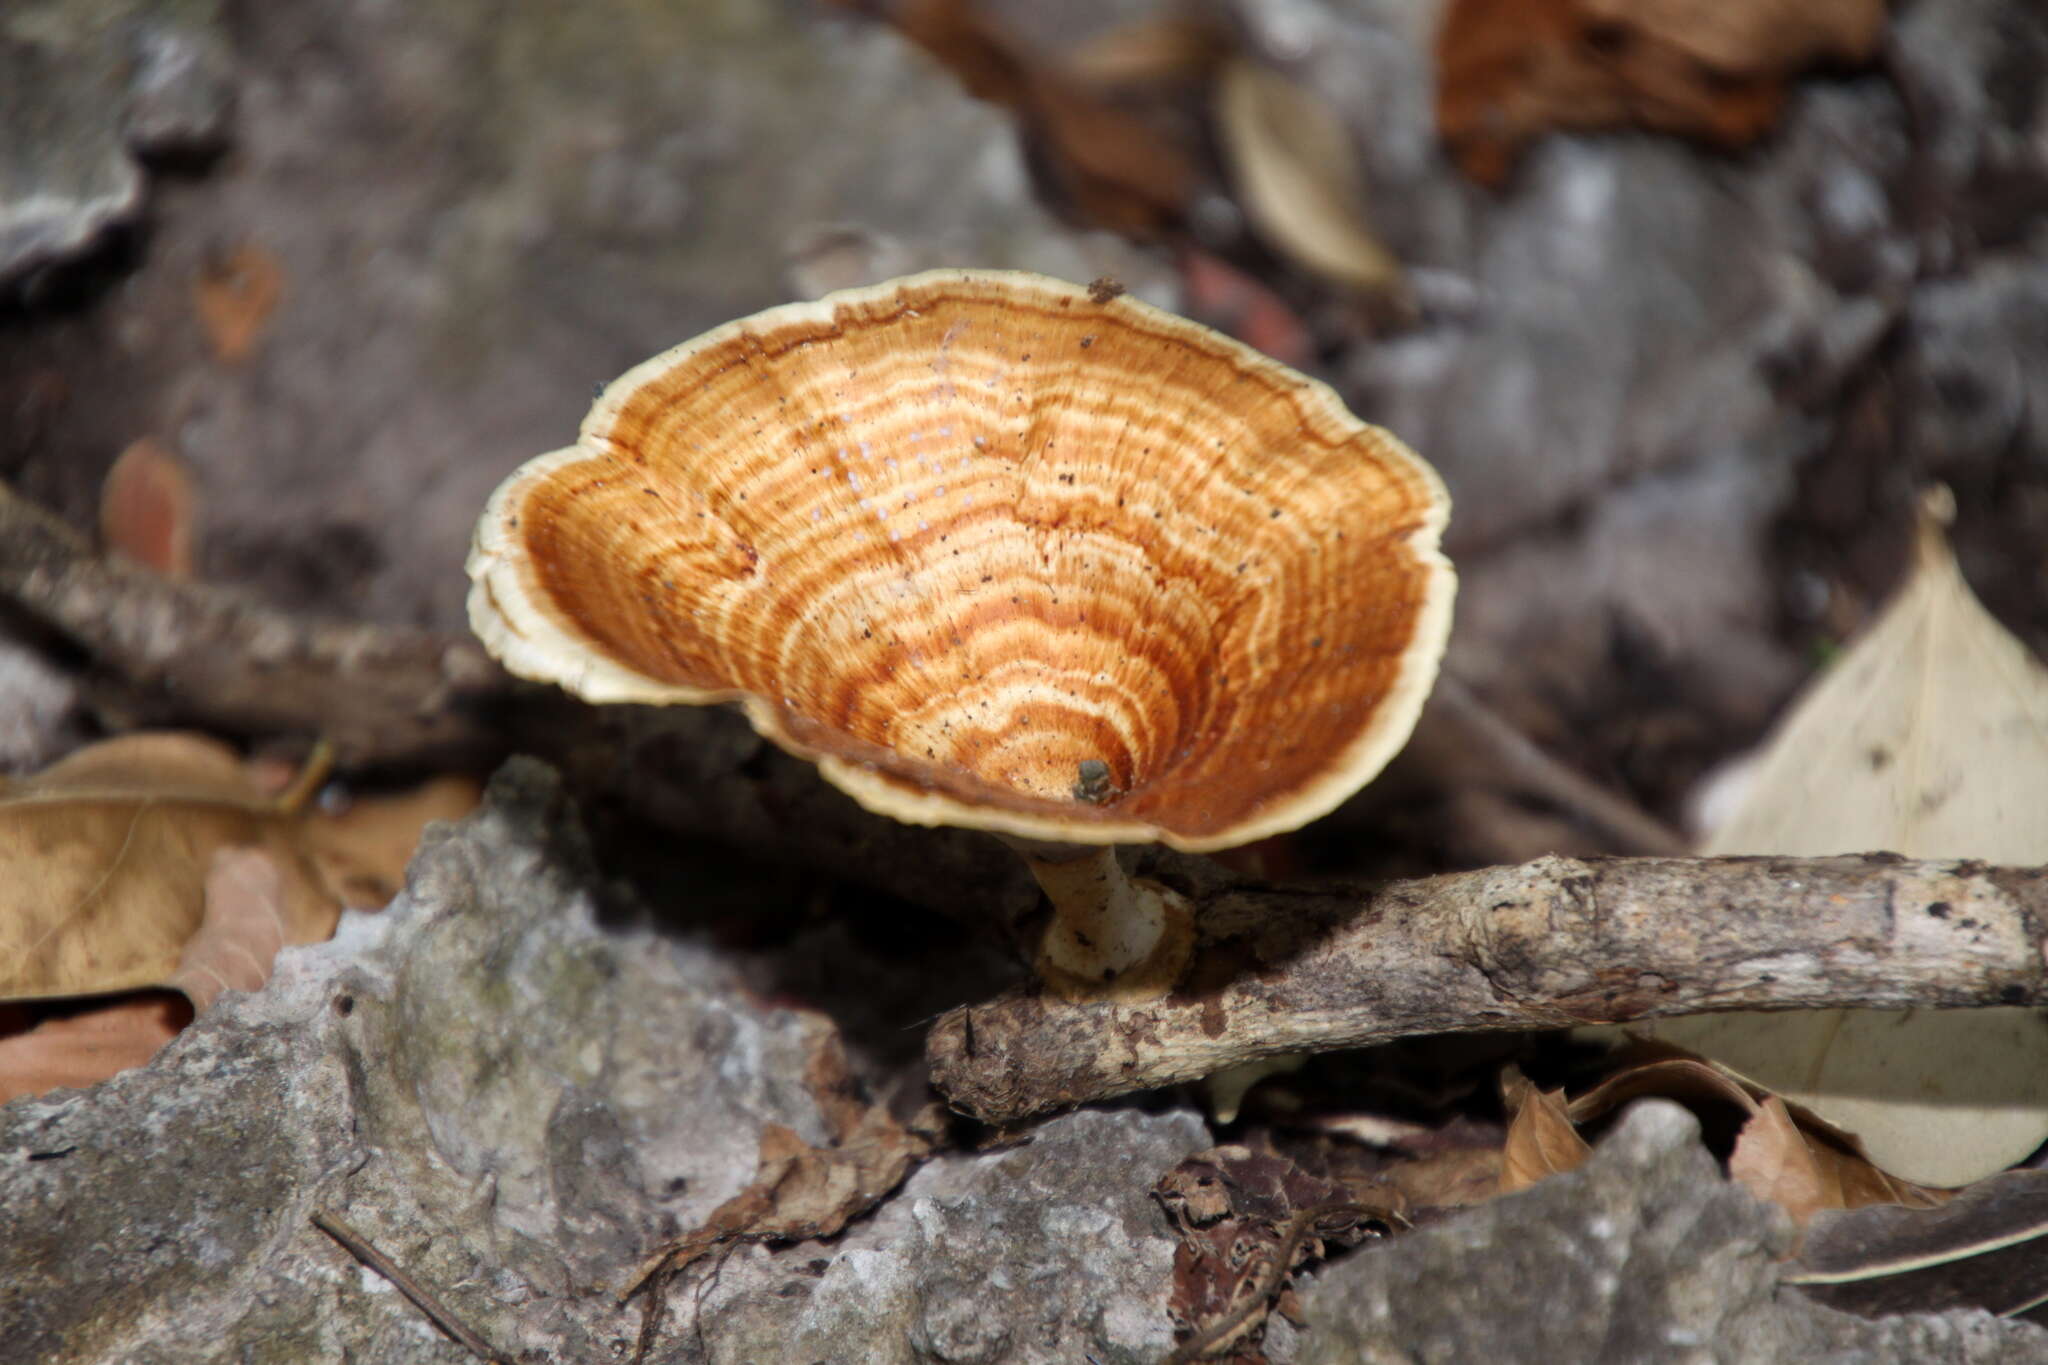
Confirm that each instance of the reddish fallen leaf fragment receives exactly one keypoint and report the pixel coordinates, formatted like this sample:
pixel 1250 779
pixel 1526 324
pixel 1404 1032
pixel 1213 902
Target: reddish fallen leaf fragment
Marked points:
pixel 87 1046
pixel 235 296
pixel 148 509
pixel 1226 298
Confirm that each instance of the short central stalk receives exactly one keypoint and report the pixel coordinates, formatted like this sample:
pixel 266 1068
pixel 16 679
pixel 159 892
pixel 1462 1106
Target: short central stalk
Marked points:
pixel 1103 924
pixel 1111 935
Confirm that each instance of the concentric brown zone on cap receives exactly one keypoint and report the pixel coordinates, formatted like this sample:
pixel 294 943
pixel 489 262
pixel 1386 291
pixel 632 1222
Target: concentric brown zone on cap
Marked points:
pixel 965 532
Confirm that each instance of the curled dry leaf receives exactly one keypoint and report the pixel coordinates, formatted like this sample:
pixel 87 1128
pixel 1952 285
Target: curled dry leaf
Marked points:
pixel 1508 70
pixel 1297 176
pixel 1987 1248
pixel 1782 1154
pixel 1541 1140
pixel 1929 738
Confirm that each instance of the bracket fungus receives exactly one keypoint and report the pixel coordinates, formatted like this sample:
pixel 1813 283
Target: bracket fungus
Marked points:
pixel 999 552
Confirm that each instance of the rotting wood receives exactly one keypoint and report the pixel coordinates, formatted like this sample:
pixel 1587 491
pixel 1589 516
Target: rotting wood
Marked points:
pixel 1547 944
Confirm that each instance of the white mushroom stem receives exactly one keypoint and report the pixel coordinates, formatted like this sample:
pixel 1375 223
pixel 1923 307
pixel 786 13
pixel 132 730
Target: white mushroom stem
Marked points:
pixel 1103 923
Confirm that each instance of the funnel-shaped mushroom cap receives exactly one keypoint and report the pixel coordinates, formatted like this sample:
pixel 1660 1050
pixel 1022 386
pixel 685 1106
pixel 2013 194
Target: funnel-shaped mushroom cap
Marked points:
pixel 956 535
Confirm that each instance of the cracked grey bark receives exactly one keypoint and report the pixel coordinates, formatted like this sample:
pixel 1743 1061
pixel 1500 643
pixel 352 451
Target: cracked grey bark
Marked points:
pixel 1549 944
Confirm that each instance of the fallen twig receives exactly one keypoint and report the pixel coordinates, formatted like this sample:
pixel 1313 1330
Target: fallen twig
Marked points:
pixel 358 1246
pixel 1546 944
pixel 213 657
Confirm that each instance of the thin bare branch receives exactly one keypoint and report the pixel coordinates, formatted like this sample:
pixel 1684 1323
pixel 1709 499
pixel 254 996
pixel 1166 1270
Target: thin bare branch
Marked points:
pixel 360 1247
pixel 209 656
pixel 1546 944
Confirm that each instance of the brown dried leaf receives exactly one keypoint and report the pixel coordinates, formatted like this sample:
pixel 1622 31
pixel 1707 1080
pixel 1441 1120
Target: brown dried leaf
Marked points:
pixel 1248 1219
pixel 800 1191
pixel 1774 1162
pixel 148 509
pixel 1541 1140
pixel 1508 70
pixel 1110 165
pixel 1826 1170
pixel 362 850
pixel 108 855
pixel 85 1047
pixel 235 296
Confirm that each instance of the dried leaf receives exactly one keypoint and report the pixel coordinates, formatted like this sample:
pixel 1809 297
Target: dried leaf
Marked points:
pixel 1454 1178
pixel 86 1047
pixel 1845 1176
pixel 1541 1140
pixel 1297 176
pixel 800 1191
pixel 241 931
pixel 1508 70
pixel 108 855
pixel 1928 738
pixel 148 509
pixel 113 881
pixel 235 296
pixel 1108 164
pixel 362 849
pixel 1773 1162
pixel 1248 1219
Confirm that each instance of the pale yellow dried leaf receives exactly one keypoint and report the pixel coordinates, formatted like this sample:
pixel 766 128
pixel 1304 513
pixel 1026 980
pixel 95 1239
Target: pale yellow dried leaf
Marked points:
pixel 1296 174
pixel 1928 738
pixel 108 853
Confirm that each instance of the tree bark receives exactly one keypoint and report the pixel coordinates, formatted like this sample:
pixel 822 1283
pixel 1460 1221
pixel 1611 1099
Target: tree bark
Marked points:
pixel 1548 944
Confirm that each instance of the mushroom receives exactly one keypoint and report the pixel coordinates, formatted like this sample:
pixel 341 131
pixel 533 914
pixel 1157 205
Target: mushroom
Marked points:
pixel 999 552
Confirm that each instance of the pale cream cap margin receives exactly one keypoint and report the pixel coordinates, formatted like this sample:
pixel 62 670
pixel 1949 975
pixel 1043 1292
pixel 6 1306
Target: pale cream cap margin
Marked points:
pixel 531 643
